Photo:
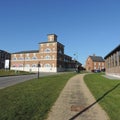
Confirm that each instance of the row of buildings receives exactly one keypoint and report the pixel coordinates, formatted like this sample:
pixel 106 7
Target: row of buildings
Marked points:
pixel 110 63
pixel 50 57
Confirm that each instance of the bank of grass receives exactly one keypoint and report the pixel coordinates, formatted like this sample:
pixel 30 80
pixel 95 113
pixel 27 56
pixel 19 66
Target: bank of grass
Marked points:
pixel 12 72
pixel 32 99
pixel 109 90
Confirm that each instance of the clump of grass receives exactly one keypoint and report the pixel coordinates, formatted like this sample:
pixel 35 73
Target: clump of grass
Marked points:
pixel 32 99
pixel 109 90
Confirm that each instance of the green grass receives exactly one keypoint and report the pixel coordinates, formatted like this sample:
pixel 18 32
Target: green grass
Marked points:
pixel 12 72
pixel 32 99
pixel 109 90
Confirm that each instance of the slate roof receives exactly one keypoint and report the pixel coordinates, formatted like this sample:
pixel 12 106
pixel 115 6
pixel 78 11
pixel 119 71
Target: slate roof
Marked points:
pixel 97 59
pixel 4 51
pixel 114 50
pixel 30 51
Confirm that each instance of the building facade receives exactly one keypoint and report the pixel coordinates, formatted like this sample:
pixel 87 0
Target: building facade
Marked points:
pixel 50 56
pixel 112 61
pixel 94 63
pixel 3 57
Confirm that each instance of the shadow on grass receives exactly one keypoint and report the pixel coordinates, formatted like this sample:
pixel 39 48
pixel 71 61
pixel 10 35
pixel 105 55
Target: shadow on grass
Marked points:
pixel 106 93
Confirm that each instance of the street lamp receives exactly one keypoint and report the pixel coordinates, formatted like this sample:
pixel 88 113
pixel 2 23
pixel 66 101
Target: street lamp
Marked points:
pixel 38 69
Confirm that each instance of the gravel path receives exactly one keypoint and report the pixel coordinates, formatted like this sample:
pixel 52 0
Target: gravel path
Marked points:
pixel 73 102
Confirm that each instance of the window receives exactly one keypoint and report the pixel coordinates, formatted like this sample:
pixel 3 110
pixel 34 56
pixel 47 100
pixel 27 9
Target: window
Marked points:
pixel 27 65
pixel 34 65
pixel 15 58
pixel 21 65
pixel 60 51
pixel 20 58
pixel 60 66
pixel 27 58
pixel 47 57
pixel 47 65
pixel 34 57
pixel 47 50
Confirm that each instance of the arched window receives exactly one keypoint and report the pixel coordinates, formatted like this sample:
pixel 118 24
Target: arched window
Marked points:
pixel 47 57
pixel 21 65
pixel 14 58
pixel 27 65
pixel 47 65
pixel 20 58
pixel 27 58
pixel 34 57
pixel 34 65
pixel 47 50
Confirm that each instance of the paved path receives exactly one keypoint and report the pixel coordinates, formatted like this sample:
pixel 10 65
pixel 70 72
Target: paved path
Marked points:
pixel 74 98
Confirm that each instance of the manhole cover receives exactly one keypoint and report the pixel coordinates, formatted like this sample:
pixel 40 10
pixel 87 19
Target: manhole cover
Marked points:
pixel 76 108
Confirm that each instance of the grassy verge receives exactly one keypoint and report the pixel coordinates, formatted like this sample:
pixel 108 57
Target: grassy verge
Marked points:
pixel 12 72
pixel 109 90
pixel 32 99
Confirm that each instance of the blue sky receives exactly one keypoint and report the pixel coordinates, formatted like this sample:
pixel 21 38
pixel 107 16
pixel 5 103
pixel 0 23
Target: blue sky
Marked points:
pixel 85 27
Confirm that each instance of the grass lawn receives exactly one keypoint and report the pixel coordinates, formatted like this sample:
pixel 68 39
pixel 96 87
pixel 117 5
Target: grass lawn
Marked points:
pixel 32 99
pixel 12 72
pixel 109 90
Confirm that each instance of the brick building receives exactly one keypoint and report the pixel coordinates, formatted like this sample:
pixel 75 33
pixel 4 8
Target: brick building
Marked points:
pixel 112 61
pixel 50 56
pixel 3 57
pixel 95 63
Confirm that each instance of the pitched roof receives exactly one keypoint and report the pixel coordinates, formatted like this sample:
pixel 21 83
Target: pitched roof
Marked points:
pixel 114 50
pixel 30 51
pixel 4 51
pixel 97 58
